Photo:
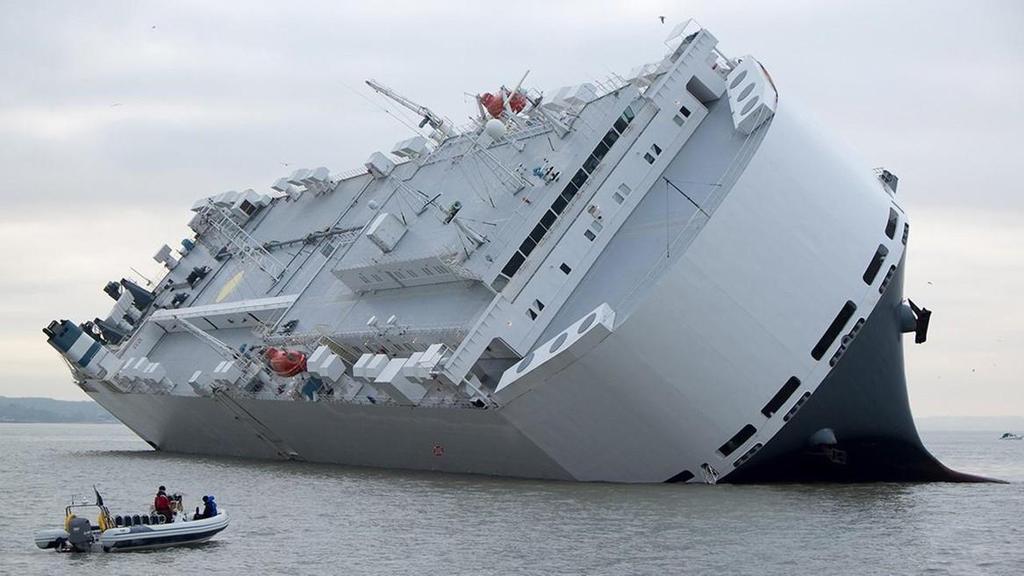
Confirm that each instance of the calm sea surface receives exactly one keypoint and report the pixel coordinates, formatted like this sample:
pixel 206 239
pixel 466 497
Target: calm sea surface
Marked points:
pixel 317 519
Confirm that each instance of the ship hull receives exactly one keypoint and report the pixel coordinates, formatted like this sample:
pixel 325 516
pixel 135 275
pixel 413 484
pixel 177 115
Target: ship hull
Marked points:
pixel 699 344
pixel 863 402
pixel 863 405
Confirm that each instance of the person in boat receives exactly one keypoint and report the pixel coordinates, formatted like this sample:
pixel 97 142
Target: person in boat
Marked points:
pixel 162 504
pixel 209 509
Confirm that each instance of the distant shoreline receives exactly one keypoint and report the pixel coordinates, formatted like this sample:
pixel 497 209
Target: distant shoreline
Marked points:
pixel 50 411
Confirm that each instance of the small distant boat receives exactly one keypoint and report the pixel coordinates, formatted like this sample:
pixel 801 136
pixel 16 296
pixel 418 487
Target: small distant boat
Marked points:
pixel 117 533
pixel 1011 436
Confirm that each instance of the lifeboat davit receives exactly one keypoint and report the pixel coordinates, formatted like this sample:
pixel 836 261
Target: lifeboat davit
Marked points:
pixel 286 363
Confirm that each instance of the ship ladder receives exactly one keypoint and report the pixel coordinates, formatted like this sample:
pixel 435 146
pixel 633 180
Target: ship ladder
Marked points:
pixel 261 430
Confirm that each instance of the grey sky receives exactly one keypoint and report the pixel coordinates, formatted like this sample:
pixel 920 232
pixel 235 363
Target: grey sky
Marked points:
pixel 116 116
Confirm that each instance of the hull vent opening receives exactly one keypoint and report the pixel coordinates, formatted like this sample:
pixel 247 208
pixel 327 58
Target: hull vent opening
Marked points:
pixel 833 330
pixel 737 440
pixel 743 459
pixel 887 279
pixel 781 397
pixel 890 226
pixel 684 476
pixel 875 265
pixel 796 407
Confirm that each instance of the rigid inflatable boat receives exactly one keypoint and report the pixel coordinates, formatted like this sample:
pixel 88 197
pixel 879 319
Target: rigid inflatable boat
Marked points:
pixel 115 533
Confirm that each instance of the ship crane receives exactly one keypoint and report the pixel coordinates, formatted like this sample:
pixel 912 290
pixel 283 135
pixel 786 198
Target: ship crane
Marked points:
pixel 442 126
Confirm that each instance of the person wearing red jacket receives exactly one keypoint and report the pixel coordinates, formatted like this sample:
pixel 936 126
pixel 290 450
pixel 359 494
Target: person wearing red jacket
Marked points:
pixel 162 504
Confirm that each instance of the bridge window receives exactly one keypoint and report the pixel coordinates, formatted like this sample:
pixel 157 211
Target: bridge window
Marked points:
pixel 579 178
pixel 538 232
pixel 527 246
pixel 561 202
pixel 513 265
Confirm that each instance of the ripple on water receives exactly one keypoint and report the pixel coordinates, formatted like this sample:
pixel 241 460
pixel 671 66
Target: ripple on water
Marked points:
pixel 300 518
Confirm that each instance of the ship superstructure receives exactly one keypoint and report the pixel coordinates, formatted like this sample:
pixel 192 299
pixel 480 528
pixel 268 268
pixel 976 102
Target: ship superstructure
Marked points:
pixel 667 277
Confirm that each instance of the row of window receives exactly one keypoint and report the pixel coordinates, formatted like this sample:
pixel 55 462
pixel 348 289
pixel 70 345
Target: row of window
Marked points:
pixel 567 194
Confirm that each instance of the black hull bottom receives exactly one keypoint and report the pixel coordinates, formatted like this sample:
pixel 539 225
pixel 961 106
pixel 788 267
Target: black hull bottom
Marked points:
pixel 863 402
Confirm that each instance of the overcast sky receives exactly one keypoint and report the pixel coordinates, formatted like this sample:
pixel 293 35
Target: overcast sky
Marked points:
pixel 116 116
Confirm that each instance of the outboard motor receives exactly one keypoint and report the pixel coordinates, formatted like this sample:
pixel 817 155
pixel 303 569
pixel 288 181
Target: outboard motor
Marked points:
pixel 80 536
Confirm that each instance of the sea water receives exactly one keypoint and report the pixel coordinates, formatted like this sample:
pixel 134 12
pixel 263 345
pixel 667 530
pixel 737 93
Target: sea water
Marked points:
pixel 299 518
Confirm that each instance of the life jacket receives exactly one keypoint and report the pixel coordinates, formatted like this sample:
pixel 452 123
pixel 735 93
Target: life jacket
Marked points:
pixel 161 503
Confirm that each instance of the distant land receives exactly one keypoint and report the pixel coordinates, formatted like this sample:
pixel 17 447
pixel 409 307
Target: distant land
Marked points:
pixel 1013 424
pixel 49 410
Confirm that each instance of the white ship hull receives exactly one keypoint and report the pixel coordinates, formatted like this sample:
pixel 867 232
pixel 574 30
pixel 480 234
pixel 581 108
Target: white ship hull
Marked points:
pixel 678 280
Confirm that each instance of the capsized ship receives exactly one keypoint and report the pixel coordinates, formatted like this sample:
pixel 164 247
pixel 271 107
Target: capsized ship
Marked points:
pixel 669 277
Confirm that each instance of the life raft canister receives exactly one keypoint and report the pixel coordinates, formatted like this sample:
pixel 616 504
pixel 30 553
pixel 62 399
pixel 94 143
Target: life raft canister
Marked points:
pixel 286 363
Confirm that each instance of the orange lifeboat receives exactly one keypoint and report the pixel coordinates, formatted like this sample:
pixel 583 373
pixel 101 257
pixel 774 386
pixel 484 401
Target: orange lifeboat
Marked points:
pixel 517 102
pixel 494 104
pixel 286 363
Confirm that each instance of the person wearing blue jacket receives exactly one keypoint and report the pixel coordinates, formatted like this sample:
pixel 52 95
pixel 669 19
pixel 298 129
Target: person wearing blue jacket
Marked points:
pixel 209 509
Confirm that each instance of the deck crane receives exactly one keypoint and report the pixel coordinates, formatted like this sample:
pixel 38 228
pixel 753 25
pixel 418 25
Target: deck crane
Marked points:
pixel 442 126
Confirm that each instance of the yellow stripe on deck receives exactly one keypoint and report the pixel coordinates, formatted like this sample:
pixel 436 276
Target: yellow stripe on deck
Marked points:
pixel 229 287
